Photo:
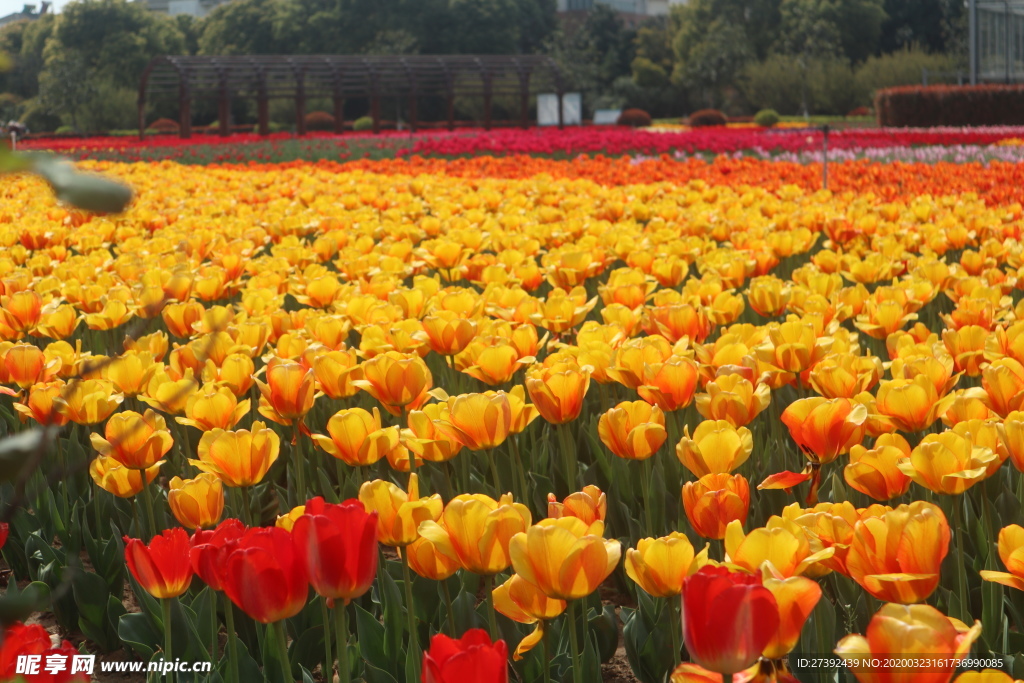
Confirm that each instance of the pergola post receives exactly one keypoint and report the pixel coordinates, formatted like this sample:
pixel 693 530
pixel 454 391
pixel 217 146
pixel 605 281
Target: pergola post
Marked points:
pixel 184 113
pixel 300 102
pixel 488 99
pixel 223 106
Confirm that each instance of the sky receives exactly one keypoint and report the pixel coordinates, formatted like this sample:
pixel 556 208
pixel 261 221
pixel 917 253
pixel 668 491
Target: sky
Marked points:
pixel 11 6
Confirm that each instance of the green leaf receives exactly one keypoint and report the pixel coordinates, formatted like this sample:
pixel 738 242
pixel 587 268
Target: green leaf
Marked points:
pixel 371 639
pixel 138 632
pixel 377 675
pixel 18 605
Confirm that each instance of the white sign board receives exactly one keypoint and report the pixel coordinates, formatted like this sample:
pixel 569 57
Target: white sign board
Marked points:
pixel 607 117
pixel 547 109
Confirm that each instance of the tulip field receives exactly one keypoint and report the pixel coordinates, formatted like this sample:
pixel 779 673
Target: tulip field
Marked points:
pixel 461 418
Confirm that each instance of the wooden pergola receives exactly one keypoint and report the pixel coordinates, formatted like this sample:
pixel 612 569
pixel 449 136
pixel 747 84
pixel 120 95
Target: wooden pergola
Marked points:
pixel 340 77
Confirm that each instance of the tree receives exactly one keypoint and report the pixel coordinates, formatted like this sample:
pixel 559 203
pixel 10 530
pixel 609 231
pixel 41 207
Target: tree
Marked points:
pixel 714 62
pixel 240 28
pixel 114 38
pixel 66 86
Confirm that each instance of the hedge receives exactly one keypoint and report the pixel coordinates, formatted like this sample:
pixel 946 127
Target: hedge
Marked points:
pixel 950 105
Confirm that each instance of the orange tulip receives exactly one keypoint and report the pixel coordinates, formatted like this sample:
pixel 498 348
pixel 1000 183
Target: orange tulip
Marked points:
pixel 1011 552
pixel 1011 433
pixel 558 391
pixel 985 676
pixel 768 295
pixel 967 346
pixel 27 365
pixel 136 441
pixel 660 565
pixel 241 457
pixel 714 501
pixel 896 557
pixel 716 447
pixel 169 394
pixel 357 437
pixel 634 430
pixel 399 381
pixel 197 503
pixel 909 632
pixel 824 428
pixel 841 375
pixel 40 404
pixel 492 360
pixel 288 393
pixel 669 385
pixel 875 472
pixel 590 505
pixel 426 560
pixel 793 346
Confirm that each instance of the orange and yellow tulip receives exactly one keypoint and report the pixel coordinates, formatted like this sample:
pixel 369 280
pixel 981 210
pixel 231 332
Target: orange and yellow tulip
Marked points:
pixel 716 447
pixel 875 472
pixel 909 632
pixel 214 407
pixel 565 558
pixel 634 430
pixel 123 482
pixel 136 441
pixel 357 437
pixel 781 542
pixel 734 398
pixel 824 428
pixel 87 401
pixel 288 393
pixel 399 513
pixel 558 391
pixel 590 505
pixel 947 463
pixel 796 597
pixel 1011 552
pixel 896 556
pixel 400 382
pixel 474 530
pixel 238 458
pixel 478 421
pixel 524 602
pixel 197 503
pixel 714 501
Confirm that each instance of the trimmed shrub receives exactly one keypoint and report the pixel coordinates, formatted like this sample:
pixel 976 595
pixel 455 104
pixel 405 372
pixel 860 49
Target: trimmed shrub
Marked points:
pixel 950 105
pixel 859 111
pixel 636 118
pixel 66 130
pixel 164 126
pixel 319 121
pixel 363 123
pixel 707 117
pixel 766 118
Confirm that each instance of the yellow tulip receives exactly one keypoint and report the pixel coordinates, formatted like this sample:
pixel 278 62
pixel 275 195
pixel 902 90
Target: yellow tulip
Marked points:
pixel 522 601
pixel 565 558
pixel 399 513
pixel 781 542
pixel 197 503
pixel 660 565
pixel 357 437
pixel 124 482
pixel 634 430
pixel 136 441
pixel 238 458
pixel 474 530
pixel 716 447
pixel 947 463
pixel 214 407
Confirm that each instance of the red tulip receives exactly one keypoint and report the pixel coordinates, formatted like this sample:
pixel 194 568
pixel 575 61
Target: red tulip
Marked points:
pixel 728 618
pixel 34 641
pixel 337 545
pixel 263 575
pixel 471 658
pixel 161 568
pixel 210 548
pixel 5 529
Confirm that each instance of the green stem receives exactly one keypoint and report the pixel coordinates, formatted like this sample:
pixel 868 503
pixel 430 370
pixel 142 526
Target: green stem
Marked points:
pixel 165 605
pixel 299 465
pixel 961 570
pixel 246 506
pixel 517 460
pixel 546 640
pixel 645 486
pixel 677 626
pixel 574 643
pixel 214 628
pixel 495 477
pixel 339 466
pixel 64 474
pixel 328 657
pixel 135 514
pixel 569 453
pixel 451 608
pixel 341 633
pixel 410 609
pixel 282 642
pixel 492 619
pixel 147 497
pixel 229 623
